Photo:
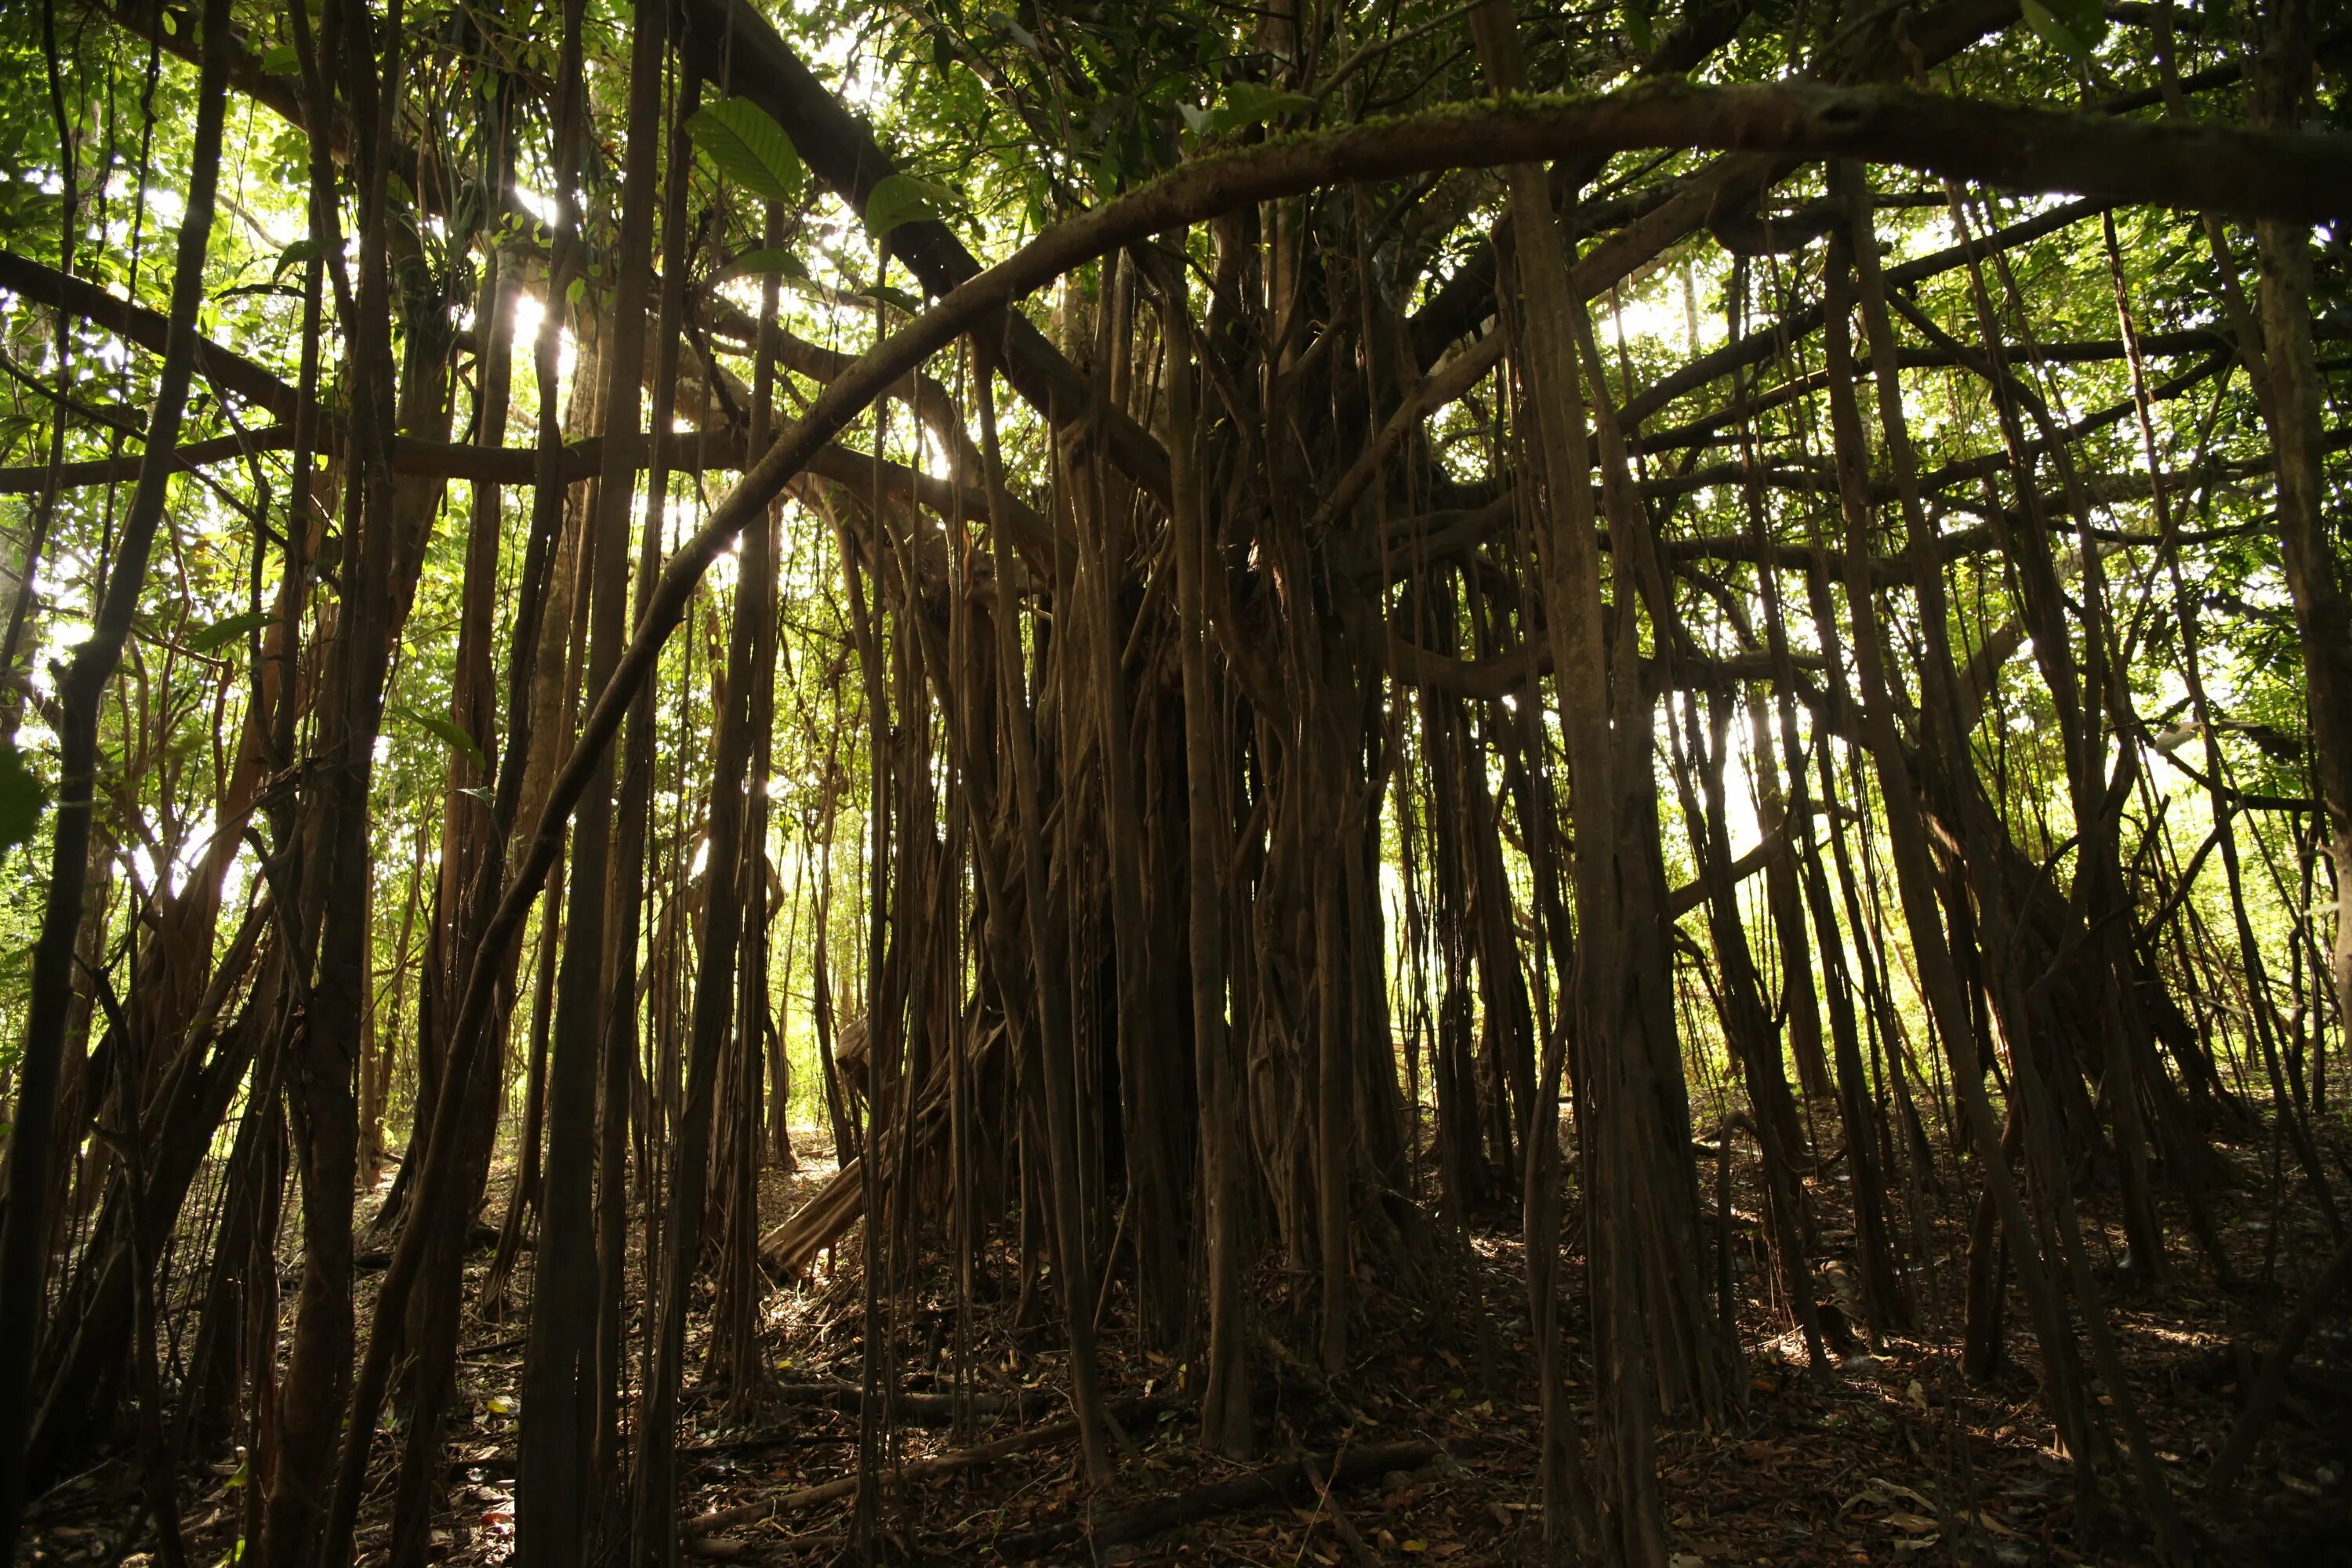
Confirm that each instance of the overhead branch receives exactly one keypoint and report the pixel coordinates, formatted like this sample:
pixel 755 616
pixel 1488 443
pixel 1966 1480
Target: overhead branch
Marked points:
pixel 843 154
pixel 1515 672
pixel 135 323
pixel 1761 346
pixel 682 451
pixel 1887 45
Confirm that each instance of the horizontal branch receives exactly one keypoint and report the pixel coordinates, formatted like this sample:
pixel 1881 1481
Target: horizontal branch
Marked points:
pixel 1888 45
pixel 1512 673
pixel 1594 274
pixel 135 323
pixel 685 452
pixel 31 478
pixel 1767 342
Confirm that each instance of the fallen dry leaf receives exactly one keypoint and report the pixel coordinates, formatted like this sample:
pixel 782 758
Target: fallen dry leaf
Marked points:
pixel 1997 1527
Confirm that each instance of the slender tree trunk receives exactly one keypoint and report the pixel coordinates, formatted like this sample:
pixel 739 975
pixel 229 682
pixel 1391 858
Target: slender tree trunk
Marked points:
pixel 1225 1399
pixel 2292 404
pixel 561 1364
pixel 24 1231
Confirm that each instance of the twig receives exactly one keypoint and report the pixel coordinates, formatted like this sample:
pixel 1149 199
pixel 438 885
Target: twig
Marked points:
pixel 1329 1508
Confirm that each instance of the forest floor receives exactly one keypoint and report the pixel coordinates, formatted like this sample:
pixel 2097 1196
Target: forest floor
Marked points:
pixel 1890 1455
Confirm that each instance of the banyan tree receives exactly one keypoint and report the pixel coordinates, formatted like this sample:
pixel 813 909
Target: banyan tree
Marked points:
pixel 1146 741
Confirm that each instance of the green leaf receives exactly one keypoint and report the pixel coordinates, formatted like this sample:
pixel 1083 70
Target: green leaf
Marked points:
pixel 2086 19
pixel 23 798
pixel 2072 26
pixel 576 291
pixel 444 732
pixel 1247 103
pixel 15 427
pixel 749 148
pixel 898 299
pixel 299 254
pixel 1019 34
pixel 902 199
pixel 220 633
pixel 1638 28
pixel 760 264
pixel 280 59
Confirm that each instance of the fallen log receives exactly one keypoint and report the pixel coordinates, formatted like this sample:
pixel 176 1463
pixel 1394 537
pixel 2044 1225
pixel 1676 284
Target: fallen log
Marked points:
pixel 710 1524
pixel 920 1409
pixel 1327 1508
pixel 504 1463
pixel 790 1248
pixel 787 1249
pixel 1271 1484
pixel 737 1548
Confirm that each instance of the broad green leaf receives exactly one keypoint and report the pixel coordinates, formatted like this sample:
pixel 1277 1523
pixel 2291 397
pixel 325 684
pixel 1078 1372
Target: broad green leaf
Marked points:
pixel 23 798
pixel 898 299
pixel 760 264
pixel 220 633
pixel 1019 34
pixel 2072 26
pixel 299 254
pixel 902 199
pixel 2086 19
pixel 749 148
pixel 443 731
pixel 280 59
pixel 1638 28
pixel 1247 103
